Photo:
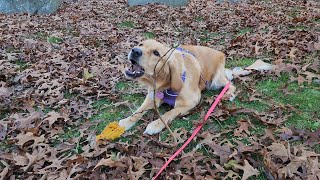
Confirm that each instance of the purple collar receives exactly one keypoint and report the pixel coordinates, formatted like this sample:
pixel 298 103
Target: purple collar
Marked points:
pixel 184 51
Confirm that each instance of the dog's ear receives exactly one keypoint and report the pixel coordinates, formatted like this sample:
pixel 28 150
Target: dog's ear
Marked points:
pixel 176 71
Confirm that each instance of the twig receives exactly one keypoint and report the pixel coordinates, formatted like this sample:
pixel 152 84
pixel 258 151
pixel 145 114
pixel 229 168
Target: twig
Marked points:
pixel 154 78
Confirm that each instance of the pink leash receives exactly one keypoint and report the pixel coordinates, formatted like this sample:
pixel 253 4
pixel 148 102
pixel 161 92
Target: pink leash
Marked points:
pixel 195 131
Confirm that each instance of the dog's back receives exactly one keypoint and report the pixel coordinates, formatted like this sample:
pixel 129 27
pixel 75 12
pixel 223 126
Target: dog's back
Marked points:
pixel 212 63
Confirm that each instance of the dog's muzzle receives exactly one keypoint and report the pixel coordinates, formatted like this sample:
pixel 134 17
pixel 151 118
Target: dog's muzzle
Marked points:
pixel 135 70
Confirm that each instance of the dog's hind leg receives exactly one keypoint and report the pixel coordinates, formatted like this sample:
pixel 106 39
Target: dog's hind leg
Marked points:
pixel 220 80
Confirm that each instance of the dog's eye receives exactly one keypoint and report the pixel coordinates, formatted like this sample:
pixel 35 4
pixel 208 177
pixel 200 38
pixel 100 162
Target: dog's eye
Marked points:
pixel 156 53
pixel 140 44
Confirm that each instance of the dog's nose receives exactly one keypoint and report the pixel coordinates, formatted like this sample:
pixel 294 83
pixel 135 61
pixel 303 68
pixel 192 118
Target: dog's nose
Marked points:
pixel 136 52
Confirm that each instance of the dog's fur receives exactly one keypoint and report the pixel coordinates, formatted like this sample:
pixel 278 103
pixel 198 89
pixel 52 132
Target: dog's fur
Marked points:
pixel 207 64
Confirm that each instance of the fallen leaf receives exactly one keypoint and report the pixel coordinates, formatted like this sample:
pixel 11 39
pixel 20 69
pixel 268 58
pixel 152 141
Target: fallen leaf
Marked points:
pixel 86 74
pixel 34 157
pixel 25 122
pixel 292 53
pixel 244 127
pixel 3 131
pixel 300 79
pixel 248 170
pixel 109 162
pixel 21 160
pixel 260 65
pixel 24 138
pixel 280 151
pixel 316 46
pixel 222 151
pixel 4 172
pixel 111 131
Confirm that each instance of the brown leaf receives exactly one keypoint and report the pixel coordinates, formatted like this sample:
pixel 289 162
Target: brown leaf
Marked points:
pixel 260 65
pixel 248 170
pixel 53 116
pixel 316 46
pixel 74 170
pixel 315 65
pixel 20 160
pixel 292 53
pixel 24 138
pixel 5 92
pixel 34 157
pixel 313 138
pixel 3 131
pixel 310 76
pixel 244 127
pixel 300 79
pixel 109 162
pixel 269 134
pixel 139 162
pixel 25 122
pixel 63 175
pixel 208 137
pixel 245 148
pixel 4 172
pixel 223 152
pixel 279 150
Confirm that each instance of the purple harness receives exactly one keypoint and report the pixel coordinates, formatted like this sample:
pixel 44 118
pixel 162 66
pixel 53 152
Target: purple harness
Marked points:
pixel 169 96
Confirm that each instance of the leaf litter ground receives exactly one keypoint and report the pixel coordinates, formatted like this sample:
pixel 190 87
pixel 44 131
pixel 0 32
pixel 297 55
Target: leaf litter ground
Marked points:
pixel 61 84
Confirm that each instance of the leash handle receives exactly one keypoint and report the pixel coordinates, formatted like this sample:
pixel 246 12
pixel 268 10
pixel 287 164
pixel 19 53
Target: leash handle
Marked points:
pixel 224 90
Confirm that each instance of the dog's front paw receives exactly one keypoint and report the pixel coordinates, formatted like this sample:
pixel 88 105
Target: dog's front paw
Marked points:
pixel 127 123
pixel 154 127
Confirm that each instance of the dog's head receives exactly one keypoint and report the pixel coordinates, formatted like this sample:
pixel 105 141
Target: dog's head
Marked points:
pixel 144 58
pixel 151 57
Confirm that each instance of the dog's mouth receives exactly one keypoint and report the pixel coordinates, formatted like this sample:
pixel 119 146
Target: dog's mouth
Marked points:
pixel 134 70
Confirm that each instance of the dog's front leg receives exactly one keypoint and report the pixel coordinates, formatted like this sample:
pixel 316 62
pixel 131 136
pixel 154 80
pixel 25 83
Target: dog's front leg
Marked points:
pixel 146 105
pixel 156 126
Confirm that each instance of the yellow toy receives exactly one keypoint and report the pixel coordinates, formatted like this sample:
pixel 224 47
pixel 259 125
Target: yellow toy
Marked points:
pixel 111 131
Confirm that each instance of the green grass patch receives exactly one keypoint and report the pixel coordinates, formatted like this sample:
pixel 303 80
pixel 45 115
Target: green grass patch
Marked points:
pixel 149 35
pixel 12 49
pixel 316 20
pixel 244 31
pixel 256 105
pixel 22 65
pixel 54 40
pixel 295 11
pixel 122 86
pixel 40 35
pixel 68 95
pixel 207 36
pixel 199 19
pixel 3 115
pixel 299 28
pixel 126 24
pixel 71 31
pixel 304 98
pixel 242 62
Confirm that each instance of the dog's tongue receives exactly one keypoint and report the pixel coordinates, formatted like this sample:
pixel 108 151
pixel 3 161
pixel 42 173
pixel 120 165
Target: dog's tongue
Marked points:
pixel 136 68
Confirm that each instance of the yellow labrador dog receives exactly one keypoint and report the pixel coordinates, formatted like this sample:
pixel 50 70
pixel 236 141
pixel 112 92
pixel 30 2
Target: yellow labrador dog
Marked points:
pixel 180 75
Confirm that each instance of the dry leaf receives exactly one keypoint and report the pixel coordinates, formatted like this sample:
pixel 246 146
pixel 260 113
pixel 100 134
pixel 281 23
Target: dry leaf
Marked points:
pixel 260 65
pixel 248 170
pixel 109 162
